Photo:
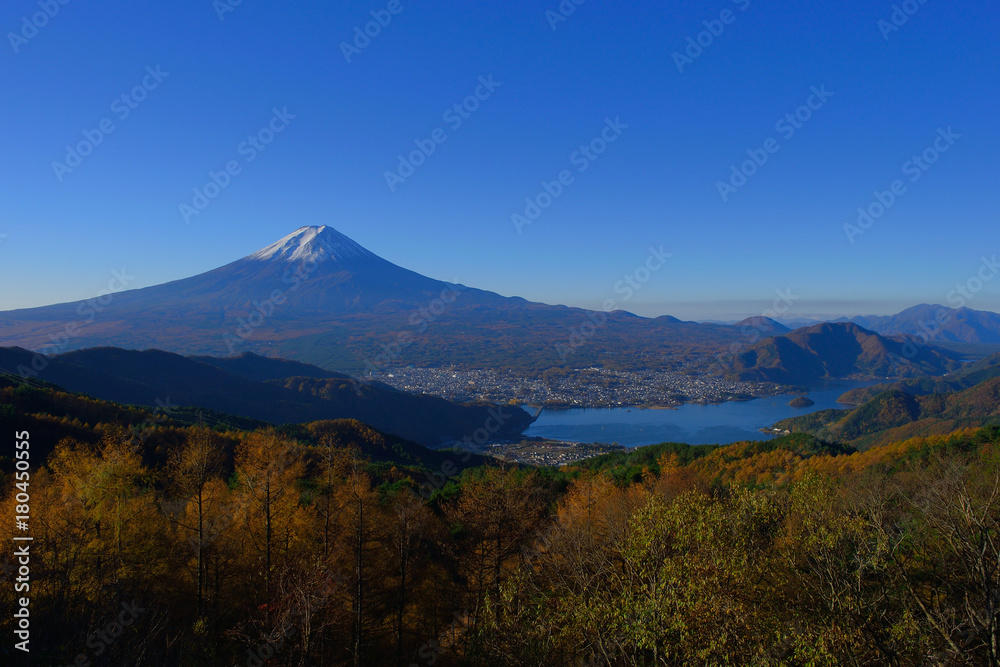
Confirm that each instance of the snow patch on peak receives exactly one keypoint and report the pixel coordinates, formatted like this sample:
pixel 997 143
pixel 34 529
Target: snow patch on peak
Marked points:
pixel 311 244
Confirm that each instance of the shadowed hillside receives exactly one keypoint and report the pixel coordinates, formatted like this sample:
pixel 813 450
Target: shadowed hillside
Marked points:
pixel 156 378
pixel 837 350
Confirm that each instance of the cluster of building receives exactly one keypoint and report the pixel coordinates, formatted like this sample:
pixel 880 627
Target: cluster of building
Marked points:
pixel 581 388
pixel 547 452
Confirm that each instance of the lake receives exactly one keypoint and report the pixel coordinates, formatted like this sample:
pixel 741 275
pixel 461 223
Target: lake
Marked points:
pixel 692 423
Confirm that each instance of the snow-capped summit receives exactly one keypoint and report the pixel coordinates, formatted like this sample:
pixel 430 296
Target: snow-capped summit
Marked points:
pixel 311 243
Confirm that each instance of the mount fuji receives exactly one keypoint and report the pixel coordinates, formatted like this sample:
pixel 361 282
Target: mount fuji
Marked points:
pixel 307 278
pixel 318 296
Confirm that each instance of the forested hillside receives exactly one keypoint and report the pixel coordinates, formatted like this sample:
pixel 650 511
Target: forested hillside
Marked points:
pixel 324 544
pixel 895 414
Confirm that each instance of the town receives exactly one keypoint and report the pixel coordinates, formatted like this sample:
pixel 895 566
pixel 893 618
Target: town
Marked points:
pixel 580 388
pixel 539 452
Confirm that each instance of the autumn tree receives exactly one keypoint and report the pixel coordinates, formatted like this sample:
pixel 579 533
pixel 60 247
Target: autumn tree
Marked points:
pixel 195 471
pixel 411 526
pixel 269 468
pixel 498 511
pixel 952 568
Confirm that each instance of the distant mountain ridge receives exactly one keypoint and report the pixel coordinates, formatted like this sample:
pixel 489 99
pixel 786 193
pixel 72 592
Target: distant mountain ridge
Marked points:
pixel 966 377
pixel 938 323
pixel 313 272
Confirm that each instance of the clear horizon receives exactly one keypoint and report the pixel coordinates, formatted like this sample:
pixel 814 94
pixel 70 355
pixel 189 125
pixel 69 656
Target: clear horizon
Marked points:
pixel 515 149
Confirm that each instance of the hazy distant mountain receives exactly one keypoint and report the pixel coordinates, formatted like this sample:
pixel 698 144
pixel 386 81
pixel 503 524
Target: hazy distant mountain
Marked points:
pixel 957 325
pixel 765 323
pixel 837 350
pixel 764 326
pixel 259 388
pixel 942 324
pixel 974 373
pixel 799 322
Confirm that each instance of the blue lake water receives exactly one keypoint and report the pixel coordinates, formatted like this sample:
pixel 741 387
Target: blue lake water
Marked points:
pixel 691 423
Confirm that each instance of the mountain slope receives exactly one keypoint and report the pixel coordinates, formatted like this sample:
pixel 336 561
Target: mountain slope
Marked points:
pixel 837 350
pixel 316 296
pixel 156 378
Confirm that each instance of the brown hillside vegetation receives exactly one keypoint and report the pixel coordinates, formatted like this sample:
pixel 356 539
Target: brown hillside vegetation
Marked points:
pixel 261 546
pixel 894 414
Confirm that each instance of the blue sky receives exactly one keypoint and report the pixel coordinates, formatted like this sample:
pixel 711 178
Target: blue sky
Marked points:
pixel 655 185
